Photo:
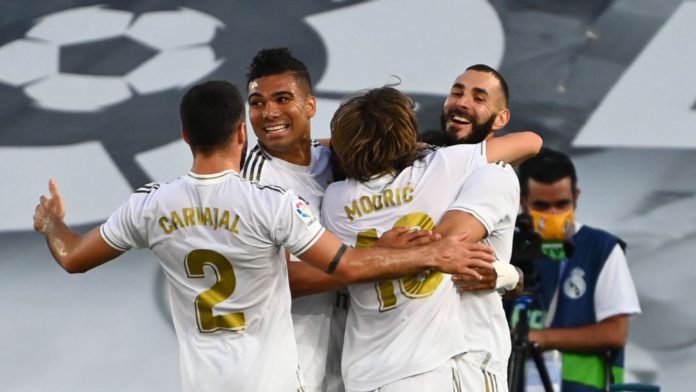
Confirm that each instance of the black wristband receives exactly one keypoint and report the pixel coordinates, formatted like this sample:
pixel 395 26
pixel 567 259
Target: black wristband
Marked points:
pixel 337 257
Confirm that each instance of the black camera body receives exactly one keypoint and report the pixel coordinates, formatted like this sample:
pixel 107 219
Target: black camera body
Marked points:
pixel 528 247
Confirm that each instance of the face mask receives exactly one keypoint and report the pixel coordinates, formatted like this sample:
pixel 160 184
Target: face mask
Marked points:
pixel 554 226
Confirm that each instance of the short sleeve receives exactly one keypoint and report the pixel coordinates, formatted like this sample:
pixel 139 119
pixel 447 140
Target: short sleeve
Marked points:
pixel 122 230
pixel 296 227
pixel 333 213
pixel 491 194
pixel 467 157
pixel 327 206
pixel 457 162
pixel 615 292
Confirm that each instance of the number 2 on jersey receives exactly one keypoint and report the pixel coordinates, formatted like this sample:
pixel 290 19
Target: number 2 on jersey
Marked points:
pixel 219 292
pixel 414 287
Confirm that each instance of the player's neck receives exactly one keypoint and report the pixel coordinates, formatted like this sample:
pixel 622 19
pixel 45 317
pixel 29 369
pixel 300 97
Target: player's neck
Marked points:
pixel 300 154
pixel 215 163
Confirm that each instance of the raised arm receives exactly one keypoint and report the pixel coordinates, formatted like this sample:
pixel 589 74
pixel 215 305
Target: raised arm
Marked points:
pixel 74 252
pixel 452 255
pixel 514 147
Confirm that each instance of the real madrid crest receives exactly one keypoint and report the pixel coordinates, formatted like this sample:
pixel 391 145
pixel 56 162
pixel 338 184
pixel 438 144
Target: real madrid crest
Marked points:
pixel 574 286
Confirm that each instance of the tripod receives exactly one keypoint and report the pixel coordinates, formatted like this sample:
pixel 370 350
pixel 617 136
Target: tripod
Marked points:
pixel 522 349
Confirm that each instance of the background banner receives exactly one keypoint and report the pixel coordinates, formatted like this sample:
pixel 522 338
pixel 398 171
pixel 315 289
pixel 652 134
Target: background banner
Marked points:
pixel 90 93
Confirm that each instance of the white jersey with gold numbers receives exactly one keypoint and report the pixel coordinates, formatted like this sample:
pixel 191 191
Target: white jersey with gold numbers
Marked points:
pixel 311 315
pixel 492 195
pixel 407 326
pixel 220 240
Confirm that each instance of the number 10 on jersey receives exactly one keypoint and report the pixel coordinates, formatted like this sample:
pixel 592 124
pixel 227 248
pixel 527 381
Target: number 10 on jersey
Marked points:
pixel 413 287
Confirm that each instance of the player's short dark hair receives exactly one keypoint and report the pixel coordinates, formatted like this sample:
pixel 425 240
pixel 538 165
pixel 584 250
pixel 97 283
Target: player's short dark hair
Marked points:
pixel 547 167
pixel 375 133
pixel 276 61
pixel 503 84
pixel 210 112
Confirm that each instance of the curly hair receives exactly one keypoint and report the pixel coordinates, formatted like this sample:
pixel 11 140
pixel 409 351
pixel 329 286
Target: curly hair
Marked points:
pixel 276 61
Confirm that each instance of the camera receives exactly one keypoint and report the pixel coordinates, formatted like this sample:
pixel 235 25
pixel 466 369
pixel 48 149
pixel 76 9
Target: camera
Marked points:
pixel 526 249
pixel 528 246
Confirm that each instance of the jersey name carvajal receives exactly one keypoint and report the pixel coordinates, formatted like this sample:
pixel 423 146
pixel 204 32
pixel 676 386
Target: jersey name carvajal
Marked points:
pixel 311 314
pixel 403 327
pixel 492 195
pixel 220 241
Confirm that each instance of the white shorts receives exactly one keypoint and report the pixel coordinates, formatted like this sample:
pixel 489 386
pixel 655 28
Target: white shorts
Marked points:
pixel 441 379
pixel 333 381
pixel 478 379
pixel 456 375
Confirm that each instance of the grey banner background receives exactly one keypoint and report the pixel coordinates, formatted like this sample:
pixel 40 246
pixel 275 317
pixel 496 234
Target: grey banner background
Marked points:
pixel 606 81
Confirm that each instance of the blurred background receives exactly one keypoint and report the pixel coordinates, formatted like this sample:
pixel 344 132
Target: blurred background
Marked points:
pixel 90 94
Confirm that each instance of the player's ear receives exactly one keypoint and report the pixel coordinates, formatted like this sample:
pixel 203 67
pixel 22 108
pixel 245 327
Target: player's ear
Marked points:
pixel 241 133
pixel 185 135
pixel 501 119
pixel 311 103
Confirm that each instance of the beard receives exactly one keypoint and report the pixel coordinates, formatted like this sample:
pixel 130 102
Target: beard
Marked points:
pixel 479 132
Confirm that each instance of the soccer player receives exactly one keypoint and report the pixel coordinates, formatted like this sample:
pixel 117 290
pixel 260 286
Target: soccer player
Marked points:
pixel 281 106
pixel 221 240
pixel 403 334
pixel 474 110
pixel 486 207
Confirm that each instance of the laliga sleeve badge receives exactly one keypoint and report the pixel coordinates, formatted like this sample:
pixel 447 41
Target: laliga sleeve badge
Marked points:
pixel 574 287
pixel 304 212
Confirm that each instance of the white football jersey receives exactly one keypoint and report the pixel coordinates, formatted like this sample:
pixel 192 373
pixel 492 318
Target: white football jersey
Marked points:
pixel 220 240
pixel 311 315
pixel 406 326
pixel 492 195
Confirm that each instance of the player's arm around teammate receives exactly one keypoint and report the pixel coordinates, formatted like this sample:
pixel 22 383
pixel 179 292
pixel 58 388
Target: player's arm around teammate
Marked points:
pixel 487 203
pixel 453 255
pixel 80 253
pixel 514 147
pixel 454 222
pixel 307 280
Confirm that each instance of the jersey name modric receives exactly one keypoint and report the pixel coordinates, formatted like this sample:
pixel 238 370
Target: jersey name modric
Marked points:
pixel 389 197
pixel 199 216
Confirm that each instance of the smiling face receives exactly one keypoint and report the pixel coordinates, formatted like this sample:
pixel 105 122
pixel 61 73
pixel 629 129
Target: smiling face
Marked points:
pixel 280 110
pixel 474 108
